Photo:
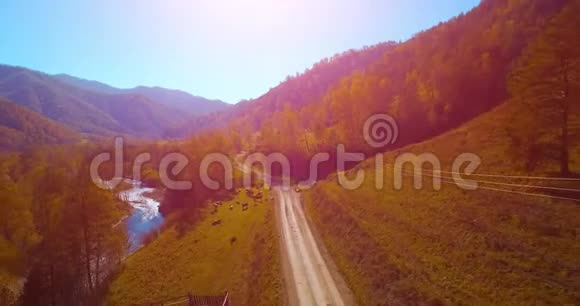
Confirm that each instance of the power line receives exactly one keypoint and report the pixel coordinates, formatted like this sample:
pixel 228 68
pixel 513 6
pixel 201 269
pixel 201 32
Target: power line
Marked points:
pixel 512 176
pixel 505 190
pixel 517 192
pixel 502 184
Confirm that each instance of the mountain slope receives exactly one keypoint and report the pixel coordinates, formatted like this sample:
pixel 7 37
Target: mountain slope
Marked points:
pixel 437 80
pixel 20 127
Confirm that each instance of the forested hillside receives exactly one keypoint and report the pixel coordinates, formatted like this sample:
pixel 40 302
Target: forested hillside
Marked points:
pixel 21 128
pixel 437 80
pixel 441 78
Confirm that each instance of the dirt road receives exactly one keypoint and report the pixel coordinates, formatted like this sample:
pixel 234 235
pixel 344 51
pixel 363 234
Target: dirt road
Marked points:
pixel 308 275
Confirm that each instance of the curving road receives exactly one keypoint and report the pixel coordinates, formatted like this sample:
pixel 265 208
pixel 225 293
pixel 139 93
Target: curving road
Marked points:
pixel 308 276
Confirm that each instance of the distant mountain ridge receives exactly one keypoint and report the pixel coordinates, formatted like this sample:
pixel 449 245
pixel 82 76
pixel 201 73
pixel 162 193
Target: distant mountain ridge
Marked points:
pixel 177 99
pixel 96 108
pixel 86 84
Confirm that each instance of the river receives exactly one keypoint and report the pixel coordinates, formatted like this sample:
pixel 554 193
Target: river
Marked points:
pixel 145 217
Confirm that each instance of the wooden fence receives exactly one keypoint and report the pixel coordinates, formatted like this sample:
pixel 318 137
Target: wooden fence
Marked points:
pixel 193 300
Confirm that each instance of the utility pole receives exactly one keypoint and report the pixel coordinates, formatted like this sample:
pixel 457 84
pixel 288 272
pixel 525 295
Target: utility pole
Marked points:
pixel 306 141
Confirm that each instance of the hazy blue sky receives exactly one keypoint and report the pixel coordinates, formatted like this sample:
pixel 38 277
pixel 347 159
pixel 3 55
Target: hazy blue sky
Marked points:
pixel 226 49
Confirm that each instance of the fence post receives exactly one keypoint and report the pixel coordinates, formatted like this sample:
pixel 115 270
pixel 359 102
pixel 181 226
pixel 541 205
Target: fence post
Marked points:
pixel 190 298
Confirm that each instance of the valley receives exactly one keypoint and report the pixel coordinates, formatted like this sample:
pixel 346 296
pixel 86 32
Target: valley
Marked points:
pixel 439 169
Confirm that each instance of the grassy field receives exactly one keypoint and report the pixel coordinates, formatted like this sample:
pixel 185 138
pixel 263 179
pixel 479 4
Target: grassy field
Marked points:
pixel 207 260
pixel 453 246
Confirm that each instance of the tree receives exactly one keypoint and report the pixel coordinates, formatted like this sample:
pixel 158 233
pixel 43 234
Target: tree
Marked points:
pixel 550 72
pixel 78 245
